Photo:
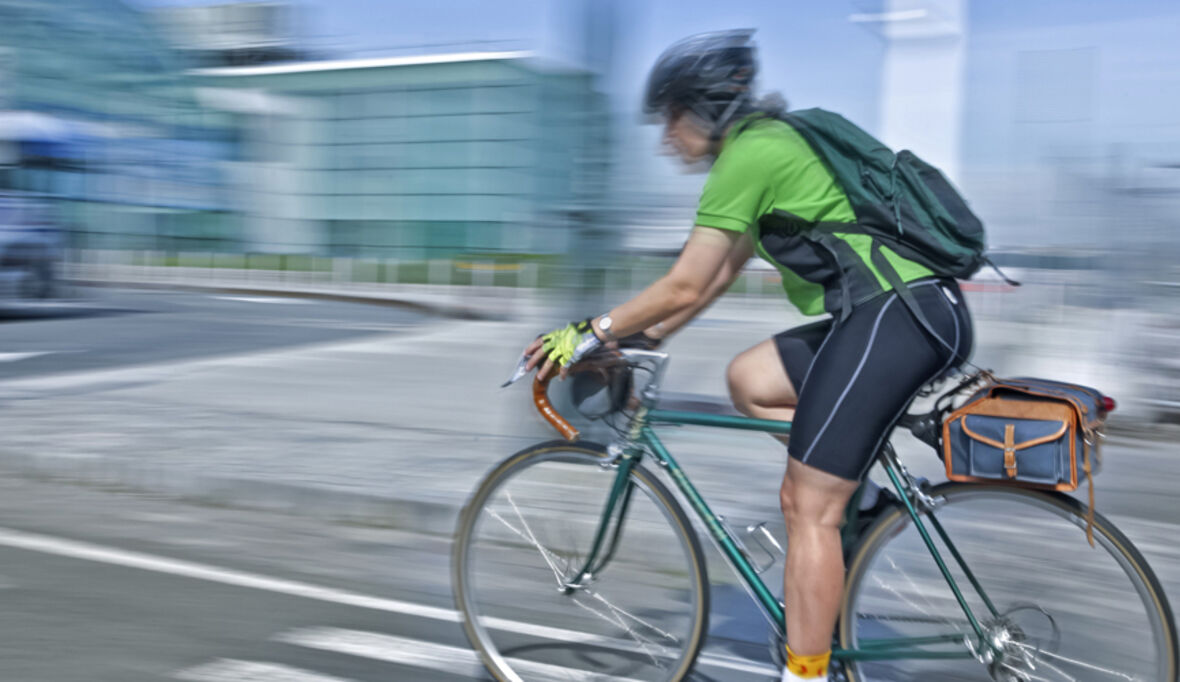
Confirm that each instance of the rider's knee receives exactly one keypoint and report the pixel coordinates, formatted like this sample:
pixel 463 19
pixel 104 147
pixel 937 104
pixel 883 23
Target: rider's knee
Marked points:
pixel 737 379
pixel 809 507
pixel 786 501
pixel 742 379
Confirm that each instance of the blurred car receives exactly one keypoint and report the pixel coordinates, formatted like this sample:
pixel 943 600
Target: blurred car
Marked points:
pixel 31 246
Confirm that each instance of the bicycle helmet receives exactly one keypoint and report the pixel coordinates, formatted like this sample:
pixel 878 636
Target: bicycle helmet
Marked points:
pixel 709 74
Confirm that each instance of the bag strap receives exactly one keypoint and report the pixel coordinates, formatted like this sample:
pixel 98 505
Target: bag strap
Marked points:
pixel 907 297
pixel 1090 482
pixel 1090 443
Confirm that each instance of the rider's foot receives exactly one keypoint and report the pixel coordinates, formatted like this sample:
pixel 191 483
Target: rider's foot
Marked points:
pixel 884 502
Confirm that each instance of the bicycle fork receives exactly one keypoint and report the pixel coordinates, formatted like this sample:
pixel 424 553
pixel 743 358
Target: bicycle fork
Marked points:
pixel 623 460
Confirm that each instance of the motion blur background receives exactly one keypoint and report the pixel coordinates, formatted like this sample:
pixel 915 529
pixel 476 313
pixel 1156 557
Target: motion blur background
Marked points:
pixel 462 143
pixel 202 202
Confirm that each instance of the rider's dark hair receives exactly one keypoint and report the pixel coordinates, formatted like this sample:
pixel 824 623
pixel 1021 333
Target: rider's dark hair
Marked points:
pixel 770 106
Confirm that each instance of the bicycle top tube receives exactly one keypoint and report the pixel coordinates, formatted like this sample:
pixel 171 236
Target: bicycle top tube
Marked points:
pixel 649 398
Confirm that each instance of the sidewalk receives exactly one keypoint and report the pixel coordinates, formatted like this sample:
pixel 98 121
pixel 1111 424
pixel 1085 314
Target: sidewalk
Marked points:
pixel 393 429
pixel 462 302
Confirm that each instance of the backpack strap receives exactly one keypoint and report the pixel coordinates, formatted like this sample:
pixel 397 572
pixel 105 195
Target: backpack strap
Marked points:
pixel 1007 280
pixel 903 291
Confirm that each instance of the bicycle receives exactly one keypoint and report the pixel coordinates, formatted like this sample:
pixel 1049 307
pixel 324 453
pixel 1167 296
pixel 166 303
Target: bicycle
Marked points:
pixel 550 586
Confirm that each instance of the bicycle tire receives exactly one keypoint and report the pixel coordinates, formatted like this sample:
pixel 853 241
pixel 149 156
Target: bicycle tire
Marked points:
pixel 467 534
pixel 895 523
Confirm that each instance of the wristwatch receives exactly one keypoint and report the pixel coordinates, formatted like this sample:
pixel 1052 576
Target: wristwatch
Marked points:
pixel 604 325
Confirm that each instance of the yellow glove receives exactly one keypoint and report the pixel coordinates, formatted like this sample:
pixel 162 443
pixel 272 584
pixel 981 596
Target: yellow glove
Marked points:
pixel 570 343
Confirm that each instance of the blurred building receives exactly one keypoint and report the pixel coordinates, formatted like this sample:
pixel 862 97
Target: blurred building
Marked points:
pixel 103 112
pixel 1055 118
pixel 232 33
pixel 98 118
pixel 413 157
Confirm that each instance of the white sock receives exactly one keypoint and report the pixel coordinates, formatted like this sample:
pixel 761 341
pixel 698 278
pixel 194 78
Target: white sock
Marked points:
pixel 789 676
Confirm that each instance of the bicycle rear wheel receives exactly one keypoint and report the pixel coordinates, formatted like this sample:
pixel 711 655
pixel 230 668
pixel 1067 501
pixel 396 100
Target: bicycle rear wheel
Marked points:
pixel 527 530
pixel 1063 611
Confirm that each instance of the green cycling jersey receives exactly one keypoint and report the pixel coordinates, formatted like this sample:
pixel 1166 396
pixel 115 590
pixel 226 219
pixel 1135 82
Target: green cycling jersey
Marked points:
pixel 765 176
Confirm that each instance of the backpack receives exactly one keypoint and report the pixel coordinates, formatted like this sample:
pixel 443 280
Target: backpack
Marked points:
pixel 899 200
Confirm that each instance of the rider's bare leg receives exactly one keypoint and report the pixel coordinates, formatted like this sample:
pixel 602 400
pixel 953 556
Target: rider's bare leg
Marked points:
pixel 813 503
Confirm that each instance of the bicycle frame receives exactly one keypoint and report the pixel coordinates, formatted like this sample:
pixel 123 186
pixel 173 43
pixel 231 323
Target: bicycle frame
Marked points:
pixel 642 439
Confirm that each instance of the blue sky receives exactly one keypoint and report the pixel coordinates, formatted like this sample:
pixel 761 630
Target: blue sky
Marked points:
pixel 1044 79
pixel 794 36
pixel 809 49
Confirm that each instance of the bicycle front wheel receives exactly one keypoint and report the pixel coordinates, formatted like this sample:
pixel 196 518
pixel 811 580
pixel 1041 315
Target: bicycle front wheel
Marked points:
pixel 1059 610
pixel 525 535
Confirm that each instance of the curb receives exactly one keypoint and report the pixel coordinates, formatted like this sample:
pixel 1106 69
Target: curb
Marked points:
pixel 434 517
pixel 459 312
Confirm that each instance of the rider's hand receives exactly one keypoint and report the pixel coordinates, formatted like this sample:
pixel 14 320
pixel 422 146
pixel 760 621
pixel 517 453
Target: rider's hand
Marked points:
pixel 561 347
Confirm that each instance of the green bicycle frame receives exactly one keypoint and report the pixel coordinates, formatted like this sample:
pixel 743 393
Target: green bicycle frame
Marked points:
pixel 643 438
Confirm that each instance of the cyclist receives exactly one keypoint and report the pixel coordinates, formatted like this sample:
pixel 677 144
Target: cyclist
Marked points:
pixel 842 381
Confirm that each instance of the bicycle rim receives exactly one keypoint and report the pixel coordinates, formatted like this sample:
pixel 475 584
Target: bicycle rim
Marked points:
pixel 529 527
pixel 1063 610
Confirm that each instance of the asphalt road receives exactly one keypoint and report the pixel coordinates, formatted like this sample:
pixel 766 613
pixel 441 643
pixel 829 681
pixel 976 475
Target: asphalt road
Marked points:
pixel 113 582
pixel 103 586
pixel 116 564
pixel 106 328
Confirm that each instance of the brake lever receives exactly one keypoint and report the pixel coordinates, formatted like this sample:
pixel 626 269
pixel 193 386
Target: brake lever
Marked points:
pixel 519 373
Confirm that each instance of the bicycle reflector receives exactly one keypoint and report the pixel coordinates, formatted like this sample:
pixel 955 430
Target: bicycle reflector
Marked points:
pixel 1108 404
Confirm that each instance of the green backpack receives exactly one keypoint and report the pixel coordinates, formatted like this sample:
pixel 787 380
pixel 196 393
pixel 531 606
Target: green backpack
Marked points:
pixel 899 200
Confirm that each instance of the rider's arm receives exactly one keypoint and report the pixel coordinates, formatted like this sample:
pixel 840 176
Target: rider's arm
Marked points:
pixel 736 193
pixel 695 278
pixel 730 269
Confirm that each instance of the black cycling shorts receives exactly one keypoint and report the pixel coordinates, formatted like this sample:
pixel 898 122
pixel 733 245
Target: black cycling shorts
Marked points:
pixel 855 378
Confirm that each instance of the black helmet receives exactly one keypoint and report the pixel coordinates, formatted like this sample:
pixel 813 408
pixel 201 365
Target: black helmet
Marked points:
pixel 708 74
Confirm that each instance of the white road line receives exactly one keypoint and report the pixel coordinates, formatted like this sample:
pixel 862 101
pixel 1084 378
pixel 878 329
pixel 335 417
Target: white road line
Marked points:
pixel 14 357
pixel 190 569
pixel 265 299
pixel 230 670
pixel 420 654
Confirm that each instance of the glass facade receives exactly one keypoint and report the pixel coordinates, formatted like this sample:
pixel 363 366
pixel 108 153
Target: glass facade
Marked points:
pixel 410 158
pixel 414 158
pixel 98 117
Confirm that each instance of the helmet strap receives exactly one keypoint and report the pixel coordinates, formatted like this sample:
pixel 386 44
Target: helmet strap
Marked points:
pixel 723 120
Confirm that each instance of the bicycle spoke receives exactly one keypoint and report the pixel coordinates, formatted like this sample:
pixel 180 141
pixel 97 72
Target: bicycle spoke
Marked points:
pixel 642 619
pixel 545 552
pixel 642 641
pixel 1063 610
pixel 1080 664
pixel 633 617
pixel 929 609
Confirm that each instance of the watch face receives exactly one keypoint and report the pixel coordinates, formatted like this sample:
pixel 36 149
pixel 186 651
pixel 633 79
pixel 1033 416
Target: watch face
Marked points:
pixel 604 323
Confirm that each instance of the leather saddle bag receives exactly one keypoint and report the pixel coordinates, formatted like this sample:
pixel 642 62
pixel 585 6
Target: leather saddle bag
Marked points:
pixel 1032 432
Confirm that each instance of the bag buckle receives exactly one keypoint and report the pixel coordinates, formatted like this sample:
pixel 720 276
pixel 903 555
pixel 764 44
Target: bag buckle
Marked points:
pixel 1010 450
